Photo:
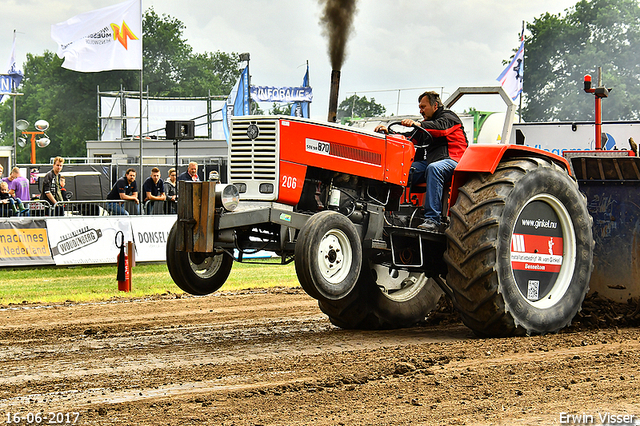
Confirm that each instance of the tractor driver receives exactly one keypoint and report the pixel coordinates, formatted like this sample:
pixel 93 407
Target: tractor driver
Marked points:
pixel 437 153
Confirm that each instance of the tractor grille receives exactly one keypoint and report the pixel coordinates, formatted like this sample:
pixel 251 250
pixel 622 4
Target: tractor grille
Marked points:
pixel 253 155
pixel 253 159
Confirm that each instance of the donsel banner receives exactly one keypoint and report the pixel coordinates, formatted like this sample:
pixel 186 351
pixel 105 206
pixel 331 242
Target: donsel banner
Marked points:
pixel 23 243
pixel 150 237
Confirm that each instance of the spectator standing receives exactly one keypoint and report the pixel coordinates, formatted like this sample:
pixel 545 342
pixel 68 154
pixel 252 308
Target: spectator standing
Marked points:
pixel 66 195
pixel 51 186
pixel 171 191
pixel 126 189
pixel 191 174
pixel 153 190
pixel 18 185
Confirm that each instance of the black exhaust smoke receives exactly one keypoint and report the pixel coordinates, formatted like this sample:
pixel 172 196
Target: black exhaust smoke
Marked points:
pixel 337 20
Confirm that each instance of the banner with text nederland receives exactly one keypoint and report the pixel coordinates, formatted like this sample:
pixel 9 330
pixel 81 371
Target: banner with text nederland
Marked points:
pixel 24 242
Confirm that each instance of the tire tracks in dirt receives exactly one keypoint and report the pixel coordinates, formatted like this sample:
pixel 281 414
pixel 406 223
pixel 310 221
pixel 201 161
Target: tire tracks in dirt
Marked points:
pixel 271 357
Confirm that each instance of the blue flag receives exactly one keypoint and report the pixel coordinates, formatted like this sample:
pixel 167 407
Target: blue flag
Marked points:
pixel 301 109
pixel 511 77
pixel 14 76
pixel 237 102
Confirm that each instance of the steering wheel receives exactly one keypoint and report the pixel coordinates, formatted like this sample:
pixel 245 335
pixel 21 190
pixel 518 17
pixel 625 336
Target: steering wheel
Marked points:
pixel 405 130
pixel 410 132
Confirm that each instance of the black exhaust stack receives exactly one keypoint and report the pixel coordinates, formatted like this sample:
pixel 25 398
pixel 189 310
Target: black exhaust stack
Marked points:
pixel 333 96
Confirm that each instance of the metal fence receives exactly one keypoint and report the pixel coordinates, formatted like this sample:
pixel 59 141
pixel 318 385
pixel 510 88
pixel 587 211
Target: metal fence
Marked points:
pixel 41 208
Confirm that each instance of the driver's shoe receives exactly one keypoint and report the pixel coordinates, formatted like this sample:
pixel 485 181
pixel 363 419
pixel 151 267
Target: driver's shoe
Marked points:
pixel 431 226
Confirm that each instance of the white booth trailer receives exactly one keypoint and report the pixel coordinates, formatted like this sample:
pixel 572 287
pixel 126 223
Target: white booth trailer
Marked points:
pixel 556 137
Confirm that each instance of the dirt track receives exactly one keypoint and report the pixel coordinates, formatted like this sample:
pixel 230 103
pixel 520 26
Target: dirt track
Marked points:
pixel 272 358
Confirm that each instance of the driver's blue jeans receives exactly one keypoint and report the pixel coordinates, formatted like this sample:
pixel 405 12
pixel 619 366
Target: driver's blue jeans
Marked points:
pixel 435 174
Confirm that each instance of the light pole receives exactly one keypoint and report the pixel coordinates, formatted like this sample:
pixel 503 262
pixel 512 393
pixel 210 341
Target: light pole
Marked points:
pixel 41 126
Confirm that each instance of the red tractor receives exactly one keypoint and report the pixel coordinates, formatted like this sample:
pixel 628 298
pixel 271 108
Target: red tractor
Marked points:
pixel 516 256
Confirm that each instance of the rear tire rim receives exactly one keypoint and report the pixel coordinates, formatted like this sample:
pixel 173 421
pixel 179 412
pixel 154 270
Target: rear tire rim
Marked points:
pixel 543 251
pixel 397 285
pixel 334 256
pixel 205 266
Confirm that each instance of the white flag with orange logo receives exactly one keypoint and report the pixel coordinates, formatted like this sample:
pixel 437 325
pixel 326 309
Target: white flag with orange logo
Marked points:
pixel 105 39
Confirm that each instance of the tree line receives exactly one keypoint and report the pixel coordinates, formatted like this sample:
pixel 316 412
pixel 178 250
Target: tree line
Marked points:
pixel 562 48
pixel 67 99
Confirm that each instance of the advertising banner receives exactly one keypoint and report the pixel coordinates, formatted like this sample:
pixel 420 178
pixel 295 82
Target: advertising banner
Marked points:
pixel 558 137
pixel 281 94
pixel 150 237
pixel 158 111
pixel 24 242
pixel 76 241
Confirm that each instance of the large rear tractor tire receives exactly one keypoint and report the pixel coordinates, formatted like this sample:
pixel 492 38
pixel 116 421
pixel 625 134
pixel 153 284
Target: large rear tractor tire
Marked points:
pixel 328 256
pixel 196 273
pixel 384 298
pixel 519 249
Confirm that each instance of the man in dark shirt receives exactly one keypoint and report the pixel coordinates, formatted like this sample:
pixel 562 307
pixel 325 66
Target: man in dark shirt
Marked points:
pixel 126 189
pixel 191 174
pixel 51 186
pixel 153 190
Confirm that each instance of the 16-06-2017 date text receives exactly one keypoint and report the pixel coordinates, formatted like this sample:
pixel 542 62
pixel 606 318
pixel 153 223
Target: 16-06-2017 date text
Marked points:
pixel 51 418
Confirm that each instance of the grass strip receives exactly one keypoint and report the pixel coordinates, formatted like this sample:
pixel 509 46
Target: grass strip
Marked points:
pixel 98 283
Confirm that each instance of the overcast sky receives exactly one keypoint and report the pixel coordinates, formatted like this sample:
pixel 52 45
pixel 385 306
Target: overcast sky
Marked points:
pixel 401 44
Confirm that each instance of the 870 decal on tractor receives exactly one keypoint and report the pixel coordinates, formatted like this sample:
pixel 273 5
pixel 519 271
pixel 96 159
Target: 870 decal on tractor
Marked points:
pixel 515 258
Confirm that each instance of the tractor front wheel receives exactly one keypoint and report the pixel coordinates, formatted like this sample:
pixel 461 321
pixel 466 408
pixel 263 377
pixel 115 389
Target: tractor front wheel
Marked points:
pixel 196 273
pixel 328 256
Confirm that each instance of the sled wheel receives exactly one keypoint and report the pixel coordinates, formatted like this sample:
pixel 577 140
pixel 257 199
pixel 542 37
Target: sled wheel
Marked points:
pixel 328 256
pixel 385 298
pixel 519 249
pixel 196 273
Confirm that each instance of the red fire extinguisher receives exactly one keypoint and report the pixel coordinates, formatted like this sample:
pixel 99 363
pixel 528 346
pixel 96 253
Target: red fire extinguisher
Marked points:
pixel 124 272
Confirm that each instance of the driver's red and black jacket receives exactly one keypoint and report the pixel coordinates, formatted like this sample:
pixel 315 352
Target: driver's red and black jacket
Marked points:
pixel 448 139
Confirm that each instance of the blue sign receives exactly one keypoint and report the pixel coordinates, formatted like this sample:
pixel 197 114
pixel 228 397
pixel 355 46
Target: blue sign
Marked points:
pixel 6 83
pixel 281 94
pixel 9 81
